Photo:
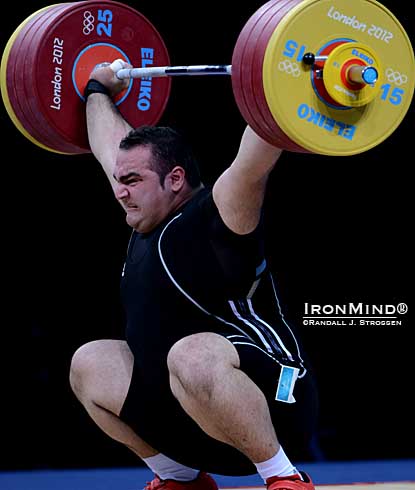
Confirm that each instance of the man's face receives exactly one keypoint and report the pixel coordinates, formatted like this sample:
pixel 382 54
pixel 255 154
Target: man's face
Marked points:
pixel 139 191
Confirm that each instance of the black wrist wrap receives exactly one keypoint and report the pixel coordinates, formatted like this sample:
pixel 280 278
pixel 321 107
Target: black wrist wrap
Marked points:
pixel 95 87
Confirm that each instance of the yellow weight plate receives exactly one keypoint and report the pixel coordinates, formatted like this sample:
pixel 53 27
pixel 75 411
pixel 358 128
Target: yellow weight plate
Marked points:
pixel 3 82
pixel 318 125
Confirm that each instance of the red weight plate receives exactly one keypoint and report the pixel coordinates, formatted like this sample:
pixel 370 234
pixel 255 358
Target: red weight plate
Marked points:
pixel 257 75
pixel 239 69
pixel 87 33
pixel 25 79
pixel 52 137
pixel 15 87
pixel 252 91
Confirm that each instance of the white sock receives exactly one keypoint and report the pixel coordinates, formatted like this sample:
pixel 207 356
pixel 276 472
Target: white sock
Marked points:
pixel 167 469
pixel 278 465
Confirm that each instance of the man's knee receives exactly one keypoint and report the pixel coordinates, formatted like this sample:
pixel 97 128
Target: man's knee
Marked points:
pixel 198 359
pixel 83 367
pixel 101 373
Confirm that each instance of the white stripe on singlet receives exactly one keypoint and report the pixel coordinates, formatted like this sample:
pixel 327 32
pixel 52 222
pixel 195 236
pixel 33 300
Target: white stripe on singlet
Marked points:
pixel 270 329
pixel 257 324
pixel 288 327
pixel 251 325
pixel 258 347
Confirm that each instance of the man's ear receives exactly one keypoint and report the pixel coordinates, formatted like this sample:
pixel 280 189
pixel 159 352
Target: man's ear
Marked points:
pixel 177 178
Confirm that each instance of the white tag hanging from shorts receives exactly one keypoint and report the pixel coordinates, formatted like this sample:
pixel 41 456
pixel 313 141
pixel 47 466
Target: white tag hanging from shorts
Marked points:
pixel 286 383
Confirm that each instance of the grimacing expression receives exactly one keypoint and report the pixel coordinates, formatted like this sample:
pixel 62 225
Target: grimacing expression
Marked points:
pixel 139 190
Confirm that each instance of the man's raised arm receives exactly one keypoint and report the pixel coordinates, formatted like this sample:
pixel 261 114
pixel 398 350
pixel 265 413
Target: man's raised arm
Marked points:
pixel 239 192
pixel 106 126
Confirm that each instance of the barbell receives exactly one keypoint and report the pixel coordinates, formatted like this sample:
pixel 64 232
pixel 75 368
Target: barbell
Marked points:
pixel 333 77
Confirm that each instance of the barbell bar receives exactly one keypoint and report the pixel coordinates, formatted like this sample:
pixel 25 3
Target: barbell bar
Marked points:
pixel 173 71
pixel 355 73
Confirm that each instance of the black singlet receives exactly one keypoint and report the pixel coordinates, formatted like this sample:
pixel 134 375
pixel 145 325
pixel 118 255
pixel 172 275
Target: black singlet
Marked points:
pixel 192 274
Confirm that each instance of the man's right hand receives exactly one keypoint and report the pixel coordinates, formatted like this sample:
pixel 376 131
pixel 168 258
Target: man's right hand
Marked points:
pixel 105 73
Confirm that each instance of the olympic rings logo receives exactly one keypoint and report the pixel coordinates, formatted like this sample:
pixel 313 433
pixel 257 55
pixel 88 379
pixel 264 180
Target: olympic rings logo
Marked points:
pixel 396 77
pixel 88 23
pixel 290 68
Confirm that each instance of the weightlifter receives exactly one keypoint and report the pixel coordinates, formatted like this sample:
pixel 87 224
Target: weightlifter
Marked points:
pixel 210 377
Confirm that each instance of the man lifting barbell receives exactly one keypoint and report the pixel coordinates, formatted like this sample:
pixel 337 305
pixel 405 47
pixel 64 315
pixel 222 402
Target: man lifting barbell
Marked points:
pixel 210 378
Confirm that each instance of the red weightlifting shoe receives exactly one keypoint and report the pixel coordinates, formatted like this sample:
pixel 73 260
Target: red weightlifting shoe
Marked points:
pixel 290 482
pixel 202 482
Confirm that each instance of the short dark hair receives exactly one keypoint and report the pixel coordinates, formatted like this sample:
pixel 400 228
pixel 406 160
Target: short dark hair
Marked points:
pixel 169 149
